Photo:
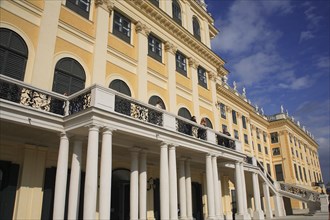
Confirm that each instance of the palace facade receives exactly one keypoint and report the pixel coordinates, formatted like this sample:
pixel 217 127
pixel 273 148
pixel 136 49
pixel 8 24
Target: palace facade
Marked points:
pixel 97 99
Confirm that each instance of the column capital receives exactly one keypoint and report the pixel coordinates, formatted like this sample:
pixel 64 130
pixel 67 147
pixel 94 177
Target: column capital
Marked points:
pixel 170 47
pixel 142 28
pixel 106 4
pixel 239 115
pixel 228 109
pixel 193 63
pixel 212 76
pixel 108 130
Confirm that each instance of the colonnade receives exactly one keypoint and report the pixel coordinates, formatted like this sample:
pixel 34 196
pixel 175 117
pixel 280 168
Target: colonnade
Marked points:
pixel 174 188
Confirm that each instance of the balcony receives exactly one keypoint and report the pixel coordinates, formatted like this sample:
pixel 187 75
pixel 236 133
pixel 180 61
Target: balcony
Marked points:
pixel 19 93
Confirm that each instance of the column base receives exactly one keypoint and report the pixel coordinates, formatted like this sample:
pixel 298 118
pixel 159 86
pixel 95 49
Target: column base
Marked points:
pixel 258 215
pixel 229 216
pixel 245 216
pixel 220 217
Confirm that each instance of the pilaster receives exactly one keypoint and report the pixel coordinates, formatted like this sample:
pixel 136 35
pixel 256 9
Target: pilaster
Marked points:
pixel 193 64
pixel 170 50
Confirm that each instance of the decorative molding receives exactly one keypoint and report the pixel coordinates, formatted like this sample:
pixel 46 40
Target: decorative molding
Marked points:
pixel 212 76
pixel 169 47
pixel 193 63
pixel 228 109
pixel 181 34
pixel 142 28
pixel 109 5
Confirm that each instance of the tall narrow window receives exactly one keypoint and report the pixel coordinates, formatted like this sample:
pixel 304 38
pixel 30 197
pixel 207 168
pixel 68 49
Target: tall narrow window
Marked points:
pixel 196 29
pixel 234 116
pixel 296 171
pixel 266 150
pixel 154 48
pixel 202 81
pixel 223 110
pixel 246 140
pixel 181 63
pixel 69 76
pixel 268 169
pixel 13 54
pixel 259 147
pixel 236 134
pixel 176 10
pixel 274 137
pixel 244 122
pixel 122 27
pixel 279 172
pixel 81 7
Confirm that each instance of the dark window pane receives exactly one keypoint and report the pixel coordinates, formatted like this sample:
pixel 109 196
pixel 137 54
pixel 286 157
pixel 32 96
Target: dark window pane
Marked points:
pixel 81 7
pixel 202 81
pixel 176 10
pixel 196 29
pixel 122 27
pixel 120 86
pixel 183 112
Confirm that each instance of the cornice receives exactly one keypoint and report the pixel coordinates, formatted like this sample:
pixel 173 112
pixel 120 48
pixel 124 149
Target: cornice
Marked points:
pixel 183 35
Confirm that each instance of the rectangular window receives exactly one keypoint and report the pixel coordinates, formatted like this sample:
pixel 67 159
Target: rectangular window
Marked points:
pixel 265 136
pixel 81 7
pixel 202 80
pixel 223 110
pixel 301 177
pixel 276 151
pixel 236 134
pixel 181 63
pixel 252 145
pixel 266 150
pixel 305 174
pixel 234 116
pixel 296 171
pixel 258 133
pixel 309 174
pixel 292 151
pixel 224 127
pixel 244 122
pixel 279 172
pixel 259 147
pixel 122 27
pixel 301 156
pixel 290 138
pixel 154 48
pixel 155 2
pixel 246 140
pixel 274 137
pixel 268 169
pixel 297 155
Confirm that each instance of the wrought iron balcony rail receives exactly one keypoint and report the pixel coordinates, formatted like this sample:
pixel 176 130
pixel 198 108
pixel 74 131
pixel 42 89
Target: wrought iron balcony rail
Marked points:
pixel 15 91
pixel 299 191
pixel 109 100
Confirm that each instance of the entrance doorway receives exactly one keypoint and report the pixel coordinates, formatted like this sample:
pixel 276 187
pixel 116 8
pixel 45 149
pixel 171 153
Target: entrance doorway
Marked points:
pixel 120 194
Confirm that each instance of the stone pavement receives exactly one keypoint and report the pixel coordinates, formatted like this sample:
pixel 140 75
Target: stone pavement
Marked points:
pixel 316 216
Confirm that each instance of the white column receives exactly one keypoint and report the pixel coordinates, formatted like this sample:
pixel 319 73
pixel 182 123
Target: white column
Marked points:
pixel 217 194
pixel 74 192
pixel 210 188
pixel 182 190
pixel 91 173
pixel 101 42
pixel 258 213
pixel 241 134
pixel 43 69
pixel 142 47
pixel 105 174
pixel 134 185
pixel 143 186
pixel 188 190
pixel 61 177
pixel 171 72
pixel 193 64
pixel 249 135
pixel 279 212
pixel 164 183
pixel 239 190
pixel 173 184
pixel 244 189
pixel 268 208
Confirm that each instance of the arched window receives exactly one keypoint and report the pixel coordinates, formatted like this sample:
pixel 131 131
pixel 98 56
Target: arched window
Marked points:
pixel 196 29
pixel 120 86
pixel 69 76
pixel 156 101
pixel 176 10
pixel 183 112
pixel 208 123
pixel 13 54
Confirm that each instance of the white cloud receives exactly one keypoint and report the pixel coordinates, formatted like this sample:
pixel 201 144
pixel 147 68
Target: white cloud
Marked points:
pixel 313 21
pixel 323 62
pixel 297 83
pixel 247 29
pixel 306 35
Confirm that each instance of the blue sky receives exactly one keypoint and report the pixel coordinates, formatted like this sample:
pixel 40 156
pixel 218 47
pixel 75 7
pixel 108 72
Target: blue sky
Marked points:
pixel 279 51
